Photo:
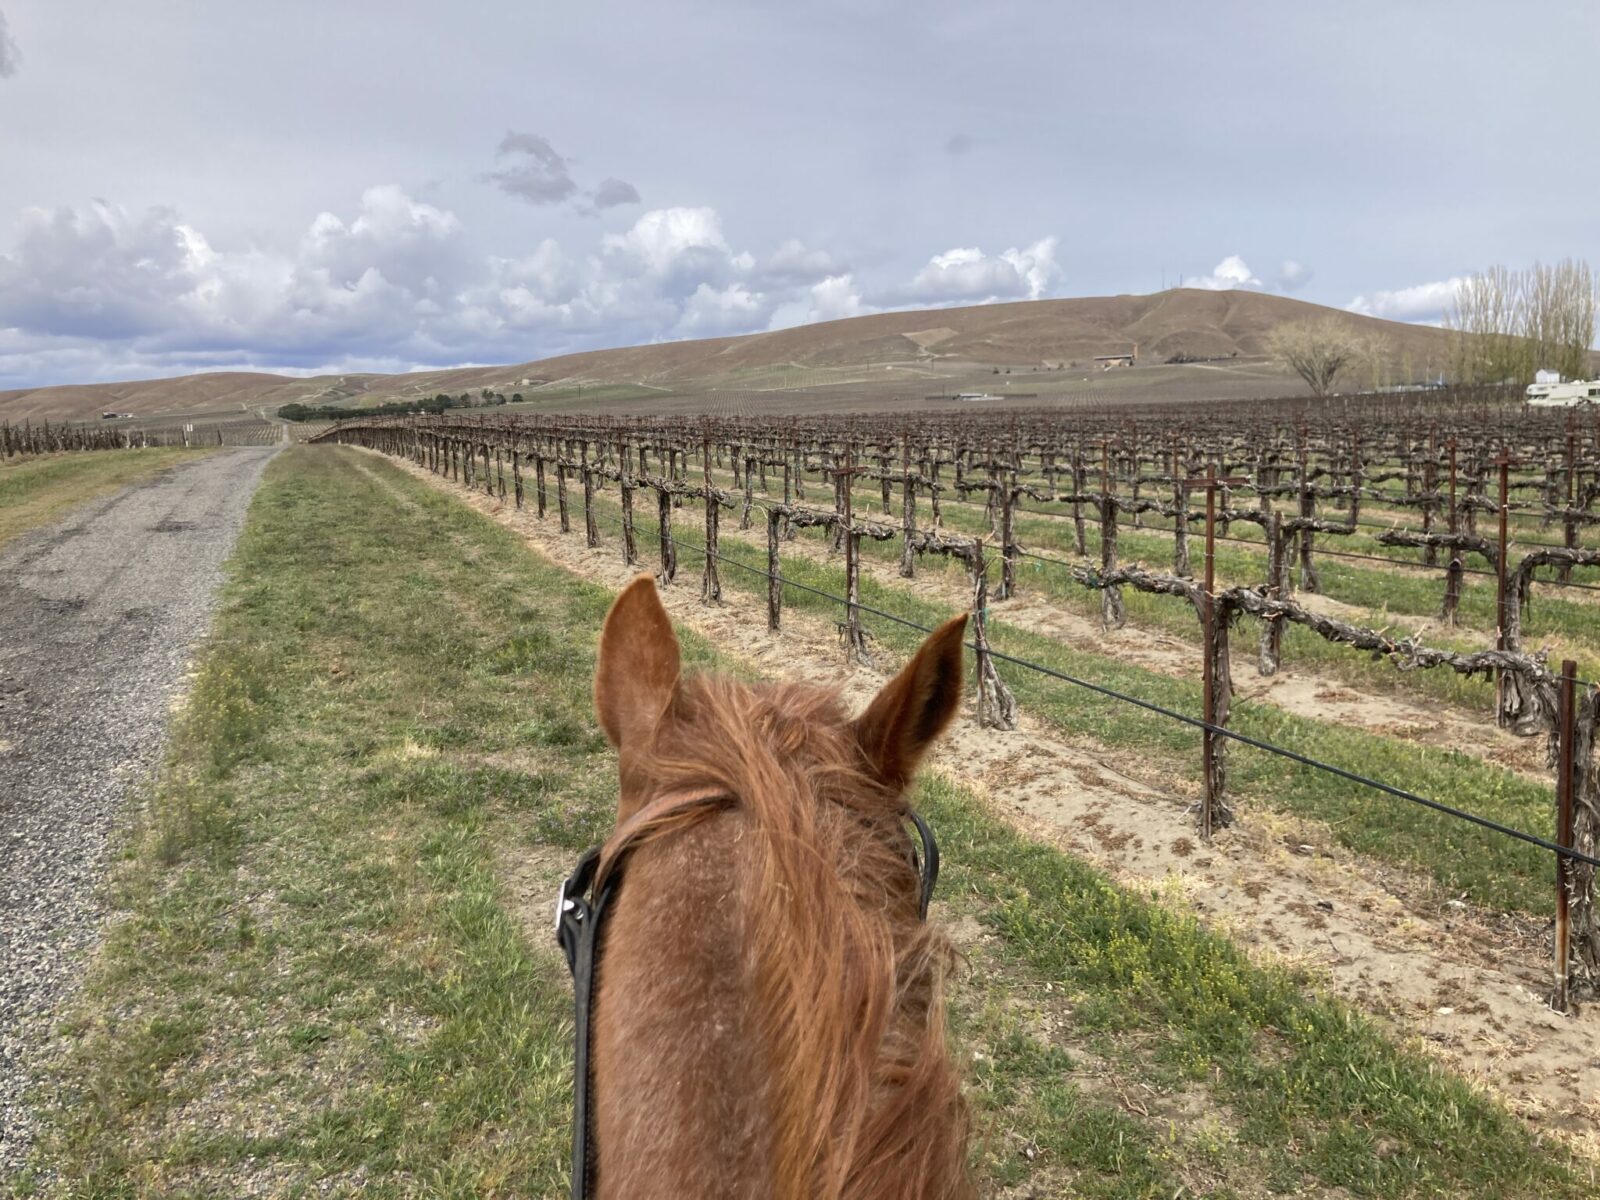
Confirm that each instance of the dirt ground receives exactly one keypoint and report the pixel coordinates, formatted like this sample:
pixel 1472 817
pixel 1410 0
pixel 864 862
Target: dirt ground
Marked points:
pixel 1465 986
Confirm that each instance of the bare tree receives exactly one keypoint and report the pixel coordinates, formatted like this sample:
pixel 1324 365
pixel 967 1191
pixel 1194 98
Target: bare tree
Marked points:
pixel 1510 323
pixel 1317 351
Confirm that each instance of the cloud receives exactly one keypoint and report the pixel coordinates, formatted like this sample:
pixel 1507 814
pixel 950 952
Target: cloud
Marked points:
pixel 795 262
pixel 967 274
pixel 830 299
pixel 713 312
pixel 391 283
pixel 1425 303
pixel 534 171
pixel 1292 275
pixel 958 144
pixel 10 56
pixel 1232 272
pixel 99 271
pixel 681 244
pixel 614 192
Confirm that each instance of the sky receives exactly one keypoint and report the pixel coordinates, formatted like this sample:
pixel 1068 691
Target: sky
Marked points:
pixel 340 185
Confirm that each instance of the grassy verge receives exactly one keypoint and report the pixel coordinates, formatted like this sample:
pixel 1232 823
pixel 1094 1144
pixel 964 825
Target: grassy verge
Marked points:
pixel 36 491
pixel 319 985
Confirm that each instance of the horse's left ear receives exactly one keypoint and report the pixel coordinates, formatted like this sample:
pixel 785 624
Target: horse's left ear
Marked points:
pixel 914 707
pixel 638 666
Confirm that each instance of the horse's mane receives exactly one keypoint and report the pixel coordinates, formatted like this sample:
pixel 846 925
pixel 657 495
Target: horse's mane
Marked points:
pixel 844 980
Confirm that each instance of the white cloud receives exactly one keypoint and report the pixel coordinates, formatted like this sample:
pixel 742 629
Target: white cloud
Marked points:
pixel 831 299
pixel 662 239
pixel 1232 272
pixel 795 262
pixel 967 274
pixel 712 312
pixel 1425 303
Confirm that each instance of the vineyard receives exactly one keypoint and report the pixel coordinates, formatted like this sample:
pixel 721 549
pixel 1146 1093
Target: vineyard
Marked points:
pixel 242 429
pixel 1310 525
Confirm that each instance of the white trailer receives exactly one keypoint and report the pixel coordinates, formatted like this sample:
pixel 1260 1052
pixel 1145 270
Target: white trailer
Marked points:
pixel 1564 395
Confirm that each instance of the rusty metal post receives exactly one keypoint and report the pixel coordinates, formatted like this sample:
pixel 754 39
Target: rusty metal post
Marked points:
pixel 1567 733
pixel 908 512
pixel 1569 526
pixel 1504 463
pixel 710 581
pixel 855 638
pixel 1208 745
pixel 1180 520
pixel 1454 570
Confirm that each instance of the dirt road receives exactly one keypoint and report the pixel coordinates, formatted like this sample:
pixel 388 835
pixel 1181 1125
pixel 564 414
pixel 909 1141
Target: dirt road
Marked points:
pixel 98 618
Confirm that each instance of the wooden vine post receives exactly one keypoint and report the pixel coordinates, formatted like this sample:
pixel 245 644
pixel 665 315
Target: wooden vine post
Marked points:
pixel 775 522
pixel 630 550
pixel 997 707
pixel 1113 612
pixel 591 532
pixel 561 484
pixel 669 550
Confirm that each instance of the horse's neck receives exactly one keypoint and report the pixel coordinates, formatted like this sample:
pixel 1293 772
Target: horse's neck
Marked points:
pixel 677 1070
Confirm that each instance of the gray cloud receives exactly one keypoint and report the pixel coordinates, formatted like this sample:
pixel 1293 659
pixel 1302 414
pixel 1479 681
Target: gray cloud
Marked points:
pixel 614 192
pixel 10 56
pixel 534 171
pixel 959 144
pixel 1292 275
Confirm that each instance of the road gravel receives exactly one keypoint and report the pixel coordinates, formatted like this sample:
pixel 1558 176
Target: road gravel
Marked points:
pixel 99 616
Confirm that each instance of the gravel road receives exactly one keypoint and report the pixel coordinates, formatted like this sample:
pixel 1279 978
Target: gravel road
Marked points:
pixel 98 618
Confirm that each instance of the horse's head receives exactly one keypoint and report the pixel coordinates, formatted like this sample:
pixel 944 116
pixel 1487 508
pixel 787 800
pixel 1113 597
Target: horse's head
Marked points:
pixel 768 1009
pixel 659 721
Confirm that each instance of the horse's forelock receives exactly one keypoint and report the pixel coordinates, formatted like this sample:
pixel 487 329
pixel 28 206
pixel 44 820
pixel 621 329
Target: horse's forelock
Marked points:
pixel 845 979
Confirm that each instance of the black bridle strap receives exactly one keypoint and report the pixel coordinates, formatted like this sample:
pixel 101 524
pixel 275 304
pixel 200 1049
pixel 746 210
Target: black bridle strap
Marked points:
pixel 928 869
pixel 581 904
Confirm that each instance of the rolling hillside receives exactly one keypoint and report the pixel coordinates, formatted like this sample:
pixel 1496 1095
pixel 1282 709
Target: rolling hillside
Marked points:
pixel 936 344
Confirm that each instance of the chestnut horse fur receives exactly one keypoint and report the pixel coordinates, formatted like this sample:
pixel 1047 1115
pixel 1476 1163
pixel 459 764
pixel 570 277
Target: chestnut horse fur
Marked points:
pixel 768 1017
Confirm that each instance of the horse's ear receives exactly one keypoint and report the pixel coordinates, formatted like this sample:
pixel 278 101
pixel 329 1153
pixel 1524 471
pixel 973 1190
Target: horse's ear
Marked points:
pixel 914 707
pixel 638 666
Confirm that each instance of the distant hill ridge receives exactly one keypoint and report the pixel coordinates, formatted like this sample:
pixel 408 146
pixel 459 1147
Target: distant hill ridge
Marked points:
pixel 1183 321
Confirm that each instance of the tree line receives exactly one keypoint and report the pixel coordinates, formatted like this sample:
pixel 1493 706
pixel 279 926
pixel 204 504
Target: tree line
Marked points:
pixel 396 408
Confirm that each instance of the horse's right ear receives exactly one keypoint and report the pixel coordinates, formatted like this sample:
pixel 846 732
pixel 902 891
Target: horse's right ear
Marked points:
pixel 914 707
pixel 638 665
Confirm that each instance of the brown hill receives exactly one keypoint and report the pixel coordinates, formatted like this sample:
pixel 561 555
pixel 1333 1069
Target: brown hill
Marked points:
pixel 937 343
